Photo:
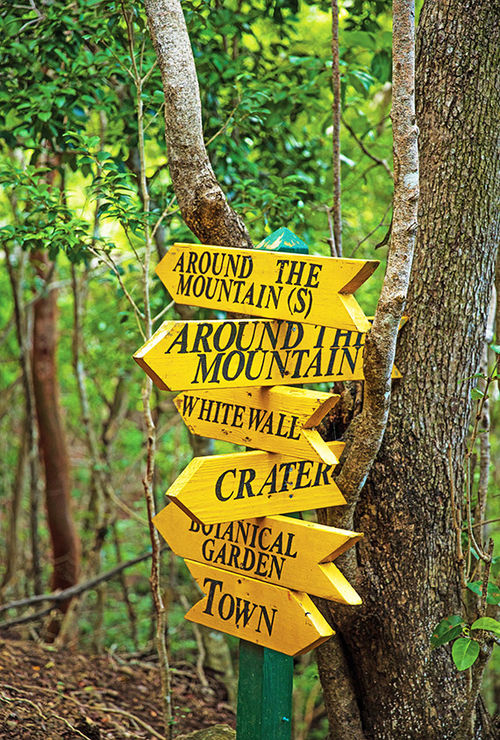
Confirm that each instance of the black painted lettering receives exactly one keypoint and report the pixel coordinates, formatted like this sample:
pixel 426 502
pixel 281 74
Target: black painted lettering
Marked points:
pixel 312 279
pixel 229 373
pixel 234 554
pixel 270 482
pixel 304 468
pixel 322 472
pixel 279 430
pixel 223 345
pixel 281 265
pixel 220 558
pixel 276 565
pixel 244 328
pixel 192 262
pixel 180 339
pixel 293 424
pixel 273 296
pixel 211 593
pixel 247 476
pixel 208 549
pixel 205 402
pixel 184 284
pixel 226 599
pixel 179 265
pixel 248 561
pixel 314 365
pixel 243 611
pixel 219 482
pixel 189 404
pixel 203 331
pixel 242 531
pixel 268 620
pixel 287 467
pixel 246 266
pixel 204 262
pixel 301 353
pixel 255 417
pixel 278 359
pixel 262 533
pixel 205 372
pixel 199 286
pixel 238 417
pixel 351 361
pixel 261 565
pixel 293 336
pixel 288 553
pixel 248 297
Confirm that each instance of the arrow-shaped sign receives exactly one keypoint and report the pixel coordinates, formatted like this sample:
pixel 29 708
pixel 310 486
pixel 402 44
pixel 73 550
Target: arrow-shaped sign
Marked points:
pixel 316 290
pixel 223 488
pixel 267 615
pixel 278 419
pixel 188 355
pixel 278 549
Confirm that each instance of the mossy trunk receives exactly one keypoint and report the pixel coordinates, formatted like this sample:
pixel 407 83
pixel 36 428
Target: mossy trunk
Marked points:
pixel 408 571
pixel 64 540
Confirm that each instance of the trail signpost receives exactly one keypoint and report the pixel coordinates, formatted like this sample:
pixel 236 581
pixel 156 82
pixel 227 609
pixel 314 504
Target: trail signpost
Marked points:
pixel 276 549
pixel 189 355
pixel 278 419
pixel 255 570
pixel 316 290
pixel 224 488
pixel 267 615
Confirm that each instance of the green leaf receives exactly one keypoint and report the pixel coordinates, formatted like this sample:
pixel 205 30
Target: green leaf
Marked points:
pixel 495 348
pixel 487 623
pixel 476 393
pixel 492 594
pixel 447 630
pixel 464 652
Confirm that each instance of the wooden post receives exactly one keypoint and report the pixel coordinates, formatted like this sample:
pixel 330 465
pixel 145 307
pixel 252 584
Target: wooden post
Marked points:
pixel 265 681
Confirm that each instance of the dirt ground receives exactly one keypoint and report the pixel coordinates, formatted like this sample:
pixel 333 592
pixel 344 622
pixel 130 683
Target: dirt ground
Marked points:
pixel 59 695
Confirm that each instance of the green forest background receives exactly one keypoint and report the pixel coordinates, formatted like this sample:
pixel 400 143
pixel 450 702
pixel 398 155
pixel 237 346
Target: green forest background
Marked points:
pixel 69 173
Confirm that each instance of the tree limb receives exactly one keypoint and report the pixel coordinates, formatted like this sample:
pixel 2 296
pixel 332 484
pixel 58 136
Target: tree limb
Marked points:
pixel 202 203
pixel 367 430
pixel 68 593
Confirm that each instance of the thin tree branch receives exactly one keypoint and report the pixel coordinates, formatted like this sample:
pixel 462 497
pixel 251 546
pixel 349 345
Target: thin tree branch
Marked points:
pixel 336 249
pixel 367 429
pixel 359 142
pixel 68 593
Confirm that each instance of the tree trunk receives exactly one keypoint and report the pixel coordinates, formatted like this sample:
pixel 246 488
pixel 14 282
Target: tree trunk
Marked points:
pixel 408 572
pixel 64 540
pixel 200 198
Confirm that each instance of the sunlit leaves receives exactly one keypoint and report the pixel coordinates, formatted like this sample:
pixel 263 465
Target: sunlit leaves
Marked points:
pixel 464 652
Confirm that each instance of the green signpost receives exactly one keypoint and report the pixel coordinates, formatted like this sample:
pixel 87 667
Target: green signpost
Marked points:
pixel 265 683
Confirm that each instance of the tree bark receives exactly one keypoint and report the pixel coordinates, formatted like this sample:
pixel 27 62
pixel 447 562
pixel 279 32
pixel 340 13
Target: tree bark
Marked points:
pixel 408 572
pixel 64 539
pixel 200 198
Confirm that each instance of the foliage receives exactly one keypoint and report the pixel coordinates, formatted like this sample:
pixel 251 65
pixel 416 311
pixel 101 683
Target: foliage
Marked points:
pixel 69 152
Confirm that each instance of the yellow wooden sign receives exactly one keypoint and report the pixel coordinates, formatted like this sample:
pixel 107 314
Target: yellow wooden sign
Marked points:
pixel 262 613
pixel 188 355
pixel 279 419
pixel 223 488
pixel 316 290
pixel 278 549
